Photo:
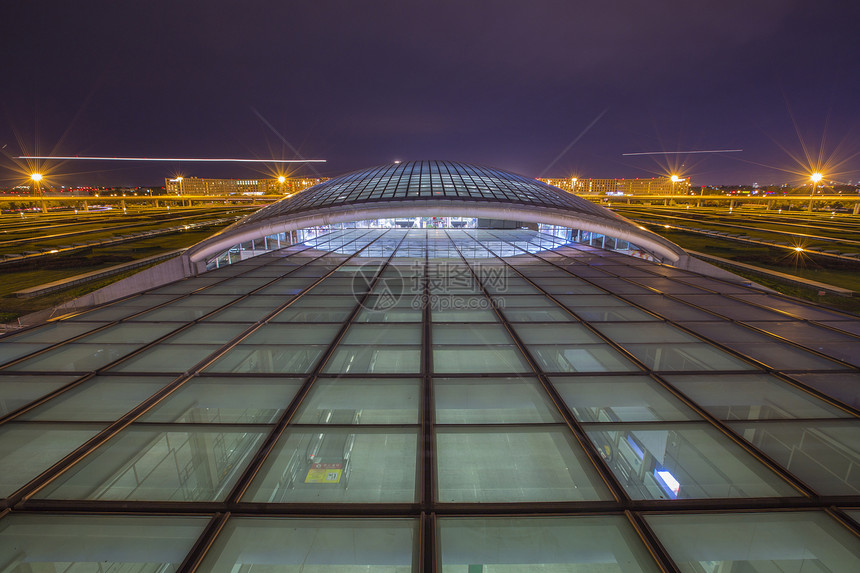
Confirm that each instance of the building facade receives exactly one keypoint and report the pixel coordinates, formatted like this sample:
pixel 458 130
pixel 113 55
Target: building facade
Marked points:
pixel 223 187
pixel 361 396
pixel 637 186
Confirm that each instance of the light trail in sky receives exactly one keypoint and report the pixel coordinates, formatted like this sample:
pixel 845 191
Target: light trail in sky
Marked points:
pixel 684 152
pixel 214 160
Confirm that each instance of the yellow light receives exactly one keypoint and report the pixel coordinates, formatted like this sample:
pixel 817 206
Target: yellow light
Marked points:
pixel 281 179
pixel 816 177
pixel 798 249
pixel 573 179
pixel 179 179
pixel 36 176
pixel 675 178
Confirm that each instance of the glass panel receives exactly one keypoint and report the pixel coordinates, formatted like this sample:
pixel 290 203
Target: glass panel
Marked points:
pixel 556 334
pixel 314 545
pixel 131 333
pixel 167 357
pixel 685 357
pixel 375 360
pixel 461 309
pixel 583 358
pixel 620 399
pixel 289 334
pixel 10 351
pixel 777 541
pixel 208 334
pixel 825 455
pixel 683 461
pixel 276 359
pixel 471 359
pixel 456 334
pixel 178 463
pixel 72 543
pixel 752 397
pixel 492 401
pixel 761 347
pixel 29 449
pixel 842 386
pixel 233 400
pixel 18 391
pixel 51 333
pixel 351 465
pixel 103 398
pixel 375 401
pixel 390 334
pixel 486 465
pixel 577 544
pixel 75 357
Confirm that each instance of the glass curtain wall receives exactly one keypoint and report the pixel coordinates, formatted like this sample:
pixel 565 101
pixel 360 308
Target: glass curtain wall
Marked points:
pixel 434 399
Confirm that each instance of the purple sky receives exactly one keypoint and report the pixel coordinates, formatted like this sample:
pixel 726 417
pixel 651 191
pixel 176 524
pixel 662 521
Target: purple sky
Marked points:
pixel 509 84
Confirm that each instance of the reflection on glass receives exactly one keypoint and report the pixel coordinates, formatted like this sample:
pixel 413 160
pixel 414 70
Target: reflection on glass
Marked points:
pixel 492 401
pixel 513 464
pixel 179 463
pixel 378 401
pixel 103 398
pixel 285 359
pixel 478 359
pixel 18 391
pixel 233 400
pixel 29 449
pixel 291 544
pixel 75 357
pixel 620 399
pixel 683 461
pixel 352 465
pixel 582 358
pixel 780 541
pixel 598 543
pixel 752 397
pixel 47 543
pixel 825 455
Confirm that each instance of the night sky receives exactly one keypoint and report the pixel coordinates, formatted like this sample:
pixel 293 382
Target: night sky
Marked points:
pixel 510 84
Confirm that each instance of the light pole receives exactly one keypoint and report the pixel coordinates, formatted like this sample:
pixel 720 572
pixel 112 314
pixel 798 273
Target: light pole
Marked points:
pixel 815 178
pixel 37 178
pixel 281 180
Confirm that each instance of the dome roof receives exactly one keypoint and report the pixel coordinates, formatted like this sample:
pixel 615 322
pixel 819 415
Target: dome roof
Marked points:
pixel 428 180
pixel 432 188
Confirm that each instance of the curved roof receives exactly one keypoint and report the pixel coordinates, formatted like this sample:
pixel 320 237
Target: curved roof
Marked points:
pixel 415 180
pixel 428 188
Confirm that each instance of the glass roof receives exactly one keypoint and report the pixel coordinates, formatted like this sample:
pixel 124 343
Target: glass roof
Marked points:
pixel 434 399
pixel 429 180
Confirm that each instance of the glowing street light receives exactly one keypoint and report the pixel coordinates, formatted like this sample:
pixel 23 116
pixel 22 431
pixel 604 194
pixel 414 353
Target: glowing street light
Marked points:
pixel 815 178
pixel 281 179
pixel 37 177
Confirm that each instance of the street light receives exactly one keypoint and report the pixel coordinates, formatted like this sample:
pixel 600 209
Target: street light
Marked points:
pixel 674 179
pixel 37 177
pixel 281 180
pixel 815 178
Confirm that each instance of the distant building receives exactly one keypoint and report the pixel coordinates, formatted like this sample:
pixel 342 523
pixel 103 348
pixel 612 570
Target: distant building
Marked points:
pixel 200 186
pixel 650 186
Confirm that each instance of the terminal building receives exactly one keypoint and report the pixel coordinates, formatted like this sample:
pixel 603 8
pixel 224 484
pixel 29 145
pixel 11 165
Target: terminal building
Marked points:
pixel 637 186
pixel 222 187
pixel 392 382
